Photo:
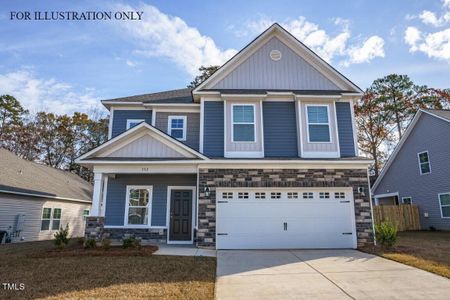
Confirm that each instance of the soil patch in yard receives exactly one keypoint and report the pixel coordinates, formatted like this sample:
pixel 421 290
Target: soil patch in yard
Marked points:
pixel 48 274
pixel 426 250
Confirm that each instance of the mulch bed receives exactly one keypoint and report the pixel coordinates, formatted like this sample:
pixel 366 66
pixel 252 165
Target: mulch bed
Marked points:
pixel 79 250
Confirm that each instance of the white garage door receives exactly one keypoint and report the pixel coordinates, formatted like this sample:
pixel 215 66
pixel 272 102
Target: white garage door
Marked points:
pixel 282 218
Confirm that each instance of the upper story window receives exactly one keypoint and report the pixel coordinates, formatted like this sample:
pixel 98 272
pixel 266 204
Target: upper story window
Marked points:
pixel 243 123
pixel 133 122
pixel 318 124
pixel 424 163
pixel 177 127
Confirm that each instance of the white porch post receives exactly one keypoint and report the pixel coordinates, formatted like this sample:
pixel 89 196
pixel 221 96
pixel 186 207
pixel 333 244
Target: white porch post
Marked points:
pixel 97 196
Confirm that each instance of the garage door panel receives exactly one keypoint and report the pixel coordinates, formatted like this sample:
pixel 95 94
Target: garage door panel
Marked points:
pixel 285 222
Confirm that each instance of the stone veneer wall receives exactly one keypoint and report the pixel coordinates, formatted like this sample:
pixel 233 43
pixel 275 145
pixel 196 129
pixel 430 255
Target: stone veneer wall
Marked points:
pixel 217 178
pixel 95 230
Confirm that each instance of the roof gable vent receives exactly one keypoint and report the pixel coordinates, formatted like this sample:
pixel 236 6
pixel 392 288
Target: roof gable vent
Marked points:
pixel 275 55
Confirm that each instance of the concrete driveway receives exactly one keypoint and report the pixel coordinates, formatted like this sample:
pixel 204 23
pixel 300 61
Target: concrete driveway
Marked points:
pixel 321 274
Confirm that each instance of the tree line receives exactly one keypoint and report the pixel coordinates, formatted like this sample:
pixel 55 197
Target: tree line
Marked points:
pixel 382 115
pixel 49 138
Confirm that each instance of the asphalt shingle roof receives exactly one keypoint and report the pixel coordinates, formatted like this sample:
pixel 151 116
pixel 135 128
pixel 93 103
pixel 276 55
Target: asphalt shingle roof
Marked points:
pixel 19 175
pixel 173 96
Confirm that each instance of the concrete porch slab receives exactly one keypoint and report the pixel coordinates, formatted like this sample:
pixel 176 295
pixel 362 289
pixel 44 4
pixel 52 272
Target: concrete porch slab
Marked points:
pixel 184 250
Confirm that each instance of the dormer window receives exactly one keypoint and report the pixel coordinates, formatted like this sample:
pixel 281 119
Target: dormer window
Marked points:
pixel 177 127
pixel 243 123
pixel 318 124
pixel 133 122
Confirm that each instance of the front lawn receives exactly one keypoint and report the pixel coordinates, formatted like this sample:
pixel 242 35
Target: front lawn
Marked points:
pixel 427 250
pixel 103 277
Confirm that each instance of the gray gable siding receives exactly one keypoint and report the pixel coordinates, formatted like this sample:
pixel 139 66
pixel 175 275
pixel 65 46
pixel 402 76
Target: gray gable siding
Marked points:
pixel 116 195
pixel 291 72
pixel 120 118
pixel 213 129
pixel 433 135
pixel 345 129
pixel 280 129
pixel 193 126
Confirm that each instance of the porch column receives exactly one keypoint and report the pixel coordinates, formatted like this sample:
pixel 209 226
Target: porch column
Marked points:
pixel 97 195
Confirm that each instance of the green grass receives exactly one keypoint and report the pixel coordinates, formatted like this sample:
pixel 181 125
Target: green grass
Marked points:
pixel 103 277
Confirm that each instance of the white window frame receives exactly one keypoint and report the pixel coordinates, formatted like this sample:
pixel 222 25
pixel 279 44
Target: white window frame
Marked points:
pixel 420 164
pixel 84 216
pixel 403 199
pixel 53 219
pixel 149 206
pixel 49 219
pixel 328 124
pixel 243 123
pixel 129 121
pixel 169 126
pixel 440 205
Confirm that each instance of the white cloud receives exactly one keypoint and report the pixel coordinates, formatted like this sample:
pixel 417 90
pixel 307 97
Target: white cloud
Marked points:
pixel 159 34
pixel 430 18
pixel 325 45
pixel 446 3
pixel 371 48
pixel 412 36
pixel 131 63
pixel 37 94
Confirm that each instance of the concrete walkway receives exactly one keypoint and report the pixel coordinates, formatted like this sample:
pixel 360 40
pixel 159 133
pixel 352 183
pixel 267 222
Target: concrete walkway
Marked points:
pixel 322 274
pixel 184 250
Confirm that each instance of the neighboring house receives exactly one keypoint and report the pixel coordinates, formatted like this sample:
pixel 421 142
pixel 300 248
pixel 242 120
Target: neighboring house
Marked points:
pixel 262 154
pixel 36 200
pixel 418 170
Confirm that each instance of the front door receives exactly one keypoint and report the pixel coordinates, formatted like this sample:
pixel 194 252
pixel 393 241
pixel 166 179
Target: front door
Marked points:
pixel 180 215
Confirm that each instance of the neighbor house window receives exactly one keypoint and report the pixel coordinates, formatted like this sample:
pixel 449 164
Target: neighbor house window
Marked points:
pixel 243 123
pixel 85 213
pixel 318 124
pixel 46 216
pixel 177 127
pixel 138 203
pixel 444 201
pixel 133 122
pixel 56 220
pixel 407 200
pixel 424 163
pixel 308 195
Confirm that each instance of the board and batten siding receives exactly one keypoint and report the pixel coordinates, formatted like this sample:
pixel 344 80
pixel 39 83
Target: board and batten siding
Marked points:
pixel 116 195
pixel 231 146
pixel 310 148
pixel 13 205
pixel 280 129
pixel 120 117
pixel 213 128
pixel 291 72
pixel 146 146
pixel 345 129
pixel 403 176
pixel 192 126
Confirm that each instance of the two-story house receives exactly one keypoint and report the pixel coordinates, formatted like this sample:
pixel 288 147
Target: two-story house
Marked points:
pixel 262 154
pixel 418 171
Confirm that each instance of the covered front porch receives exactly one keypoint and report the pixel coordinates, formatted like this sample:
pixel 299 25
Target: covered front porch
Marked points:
pixel 156 208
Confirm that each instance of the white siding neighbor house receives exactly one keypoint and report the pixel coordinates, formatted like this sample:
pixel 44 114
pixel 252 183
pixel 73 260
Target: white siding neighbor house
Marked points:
pixel 36 200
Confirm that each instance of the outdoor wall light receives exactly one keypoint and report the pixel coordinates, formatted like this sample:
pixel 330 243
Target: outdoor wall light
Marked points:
pixel 361 191
pixel 206 191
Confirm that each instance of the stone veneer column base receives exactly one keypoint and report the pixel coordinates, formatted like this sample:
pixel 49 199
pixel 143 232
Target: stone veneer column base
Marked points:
pixel 282 178
pixel 96 230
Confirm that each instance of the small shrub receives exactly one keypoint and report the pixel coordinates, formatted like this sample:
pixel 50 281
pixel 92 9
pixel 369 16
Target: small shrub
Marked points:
pixel 62 237
pixel 81 241
pixel 90 244
pixel 386 234
pixel 106 244
pixel 131 242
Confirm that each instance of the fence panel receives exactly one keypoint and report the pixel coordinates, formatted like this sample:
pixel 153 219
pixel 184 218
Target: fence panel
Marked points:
pixel 405 216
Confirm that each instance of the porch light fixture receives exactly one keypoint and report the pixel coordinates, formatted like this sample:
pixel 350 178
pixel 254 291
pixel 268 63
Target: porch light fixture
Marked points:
pixel 361 191
pixel 206 190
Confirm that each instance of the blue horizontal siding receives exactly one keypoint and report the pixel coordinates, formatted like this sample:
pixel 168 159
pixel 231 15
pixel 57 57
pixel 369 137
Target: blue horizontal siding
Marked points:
pixel 116 195
pixel 345 129
pixel 213 129
pixel 120 118
pixel 280 129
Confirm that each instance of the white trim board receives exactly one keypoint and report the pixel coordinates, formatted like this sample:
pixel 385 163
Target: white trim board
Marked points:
pixel 50 197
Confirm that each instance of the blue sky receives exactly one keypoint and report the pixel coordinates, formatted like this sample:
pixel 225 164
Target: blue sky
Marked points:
pixel 63 66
